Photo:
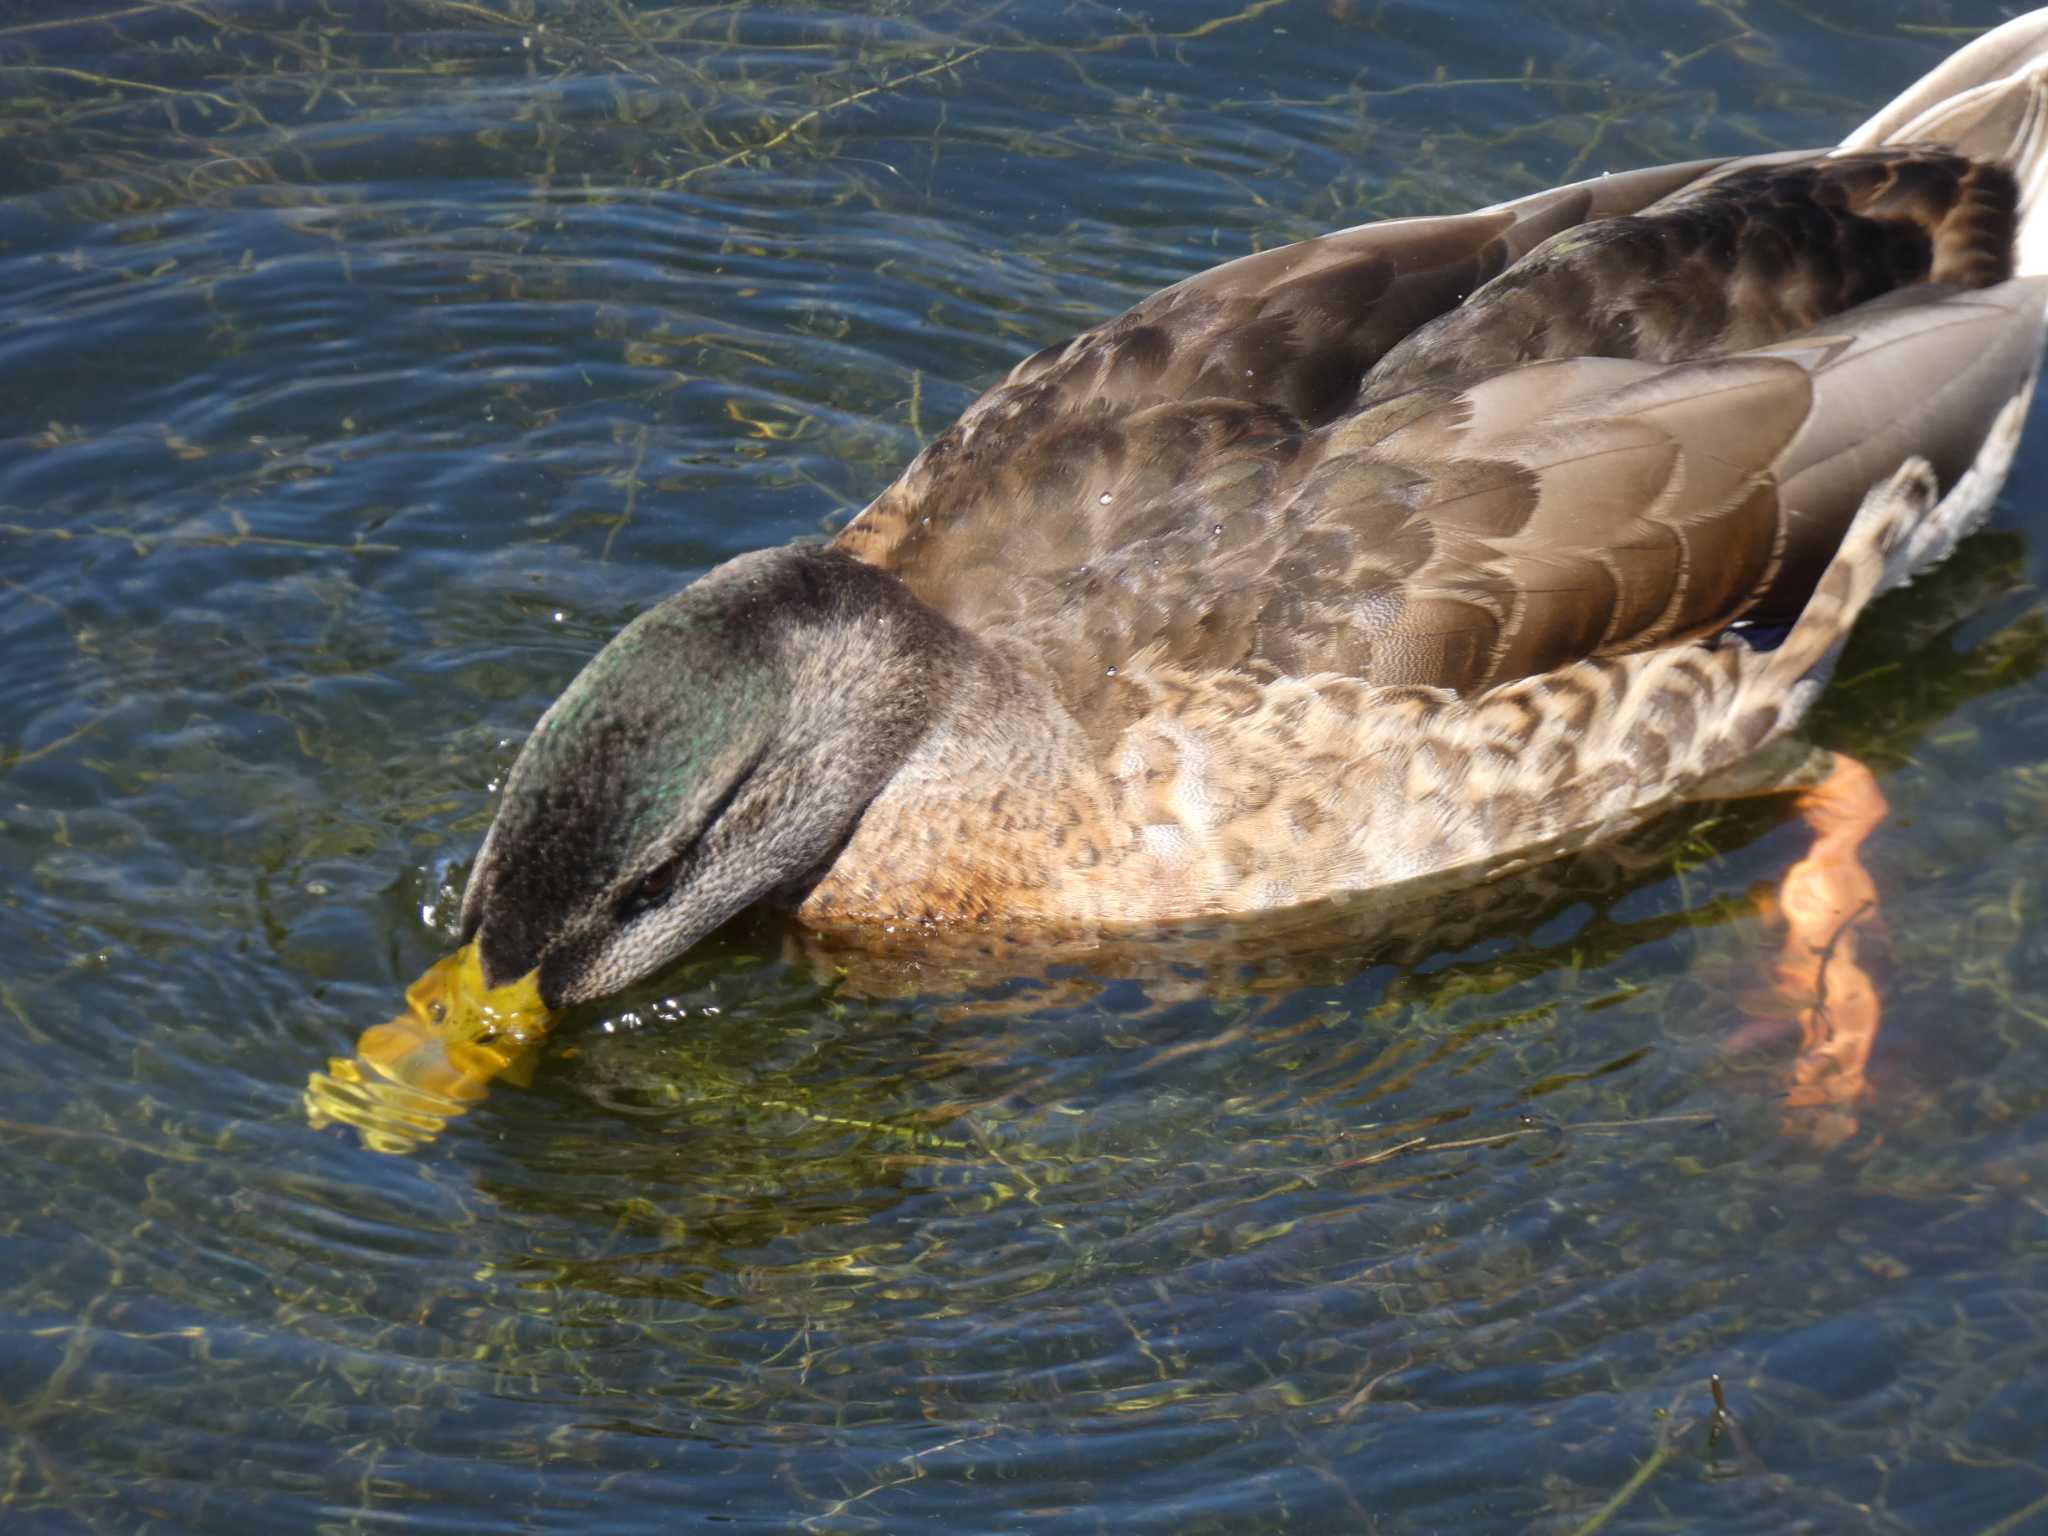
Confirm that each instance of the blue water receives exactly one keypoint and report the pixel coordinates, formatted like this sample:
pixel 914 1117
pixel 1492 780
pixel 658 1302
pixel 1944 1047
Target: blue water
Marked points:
pixel 362 368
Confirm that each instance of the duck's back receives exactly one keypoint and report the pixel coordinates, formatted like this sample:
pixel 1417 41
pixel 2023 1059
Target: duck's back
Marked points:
pixel 1457 452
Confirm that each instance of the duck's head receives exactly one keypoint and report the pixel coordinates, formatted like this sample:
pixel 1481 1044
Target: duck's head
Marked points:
pixel 718 750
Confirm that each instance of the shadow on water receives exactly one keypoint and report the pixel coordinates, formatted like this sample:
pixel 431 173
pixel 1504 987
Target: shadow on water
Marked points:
pixel 363 366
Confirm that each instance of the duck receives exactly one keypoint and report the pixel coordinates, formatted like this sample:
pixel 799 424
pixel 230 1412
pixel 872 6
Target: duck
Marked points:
pixel 1399 554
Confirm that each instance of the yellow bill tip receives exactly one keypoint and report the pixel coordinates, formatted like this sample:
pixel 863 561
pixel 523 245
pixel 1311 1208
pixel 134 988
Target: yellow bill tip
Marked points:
pixel 414 1073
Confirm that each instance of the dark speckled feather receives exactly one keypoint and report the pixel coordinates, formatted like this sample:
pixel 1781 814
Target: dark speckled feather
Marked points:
pixel 1737 260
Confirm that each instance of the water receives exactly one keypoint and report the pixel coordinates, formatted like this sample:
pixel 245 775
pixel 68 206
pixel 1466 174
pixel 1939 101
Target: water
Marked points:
pixel 362 367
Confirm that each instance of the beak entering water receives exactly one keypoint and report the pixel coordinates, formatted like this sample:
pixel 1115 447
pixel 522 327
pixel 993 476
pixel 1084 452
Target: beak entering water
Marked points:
pixel 411 1076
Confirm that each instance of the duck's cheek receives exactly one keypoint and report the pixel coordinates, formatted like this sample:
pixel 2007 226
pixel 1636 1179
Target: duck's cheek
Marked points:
pixel 585 969
pixel 592 966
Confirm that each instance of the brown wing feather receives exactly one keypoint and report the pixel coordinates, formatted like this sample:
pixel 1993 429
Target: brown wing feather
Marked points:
pixel 1742 258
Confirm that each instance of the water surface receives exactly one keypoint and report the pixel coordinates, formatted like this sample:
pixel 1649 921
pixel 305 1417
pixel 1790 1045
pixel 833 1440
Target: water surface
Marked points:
pixel 363 366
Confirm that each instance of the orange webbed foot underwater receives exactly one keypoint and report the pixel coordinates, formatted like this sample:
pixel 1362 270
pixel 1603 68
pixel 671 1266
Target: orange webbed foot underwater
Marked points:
pixel 1828 903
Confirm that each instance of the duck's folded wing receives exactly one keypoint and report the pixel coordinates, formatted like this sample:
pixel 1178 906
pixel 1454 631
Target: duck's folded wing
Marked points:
pixel 1597 507
pixel 1461 537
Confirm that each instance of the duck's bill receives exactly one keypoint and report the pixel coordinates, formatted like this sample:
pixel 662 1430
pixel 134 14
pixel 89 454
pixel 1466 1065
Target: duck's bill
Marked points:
pixel 412 1075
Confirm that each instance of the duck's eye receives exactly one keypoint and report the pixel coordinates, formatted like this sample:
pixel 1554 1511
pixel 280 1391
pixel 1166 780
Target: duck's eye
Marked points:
pixel 651 889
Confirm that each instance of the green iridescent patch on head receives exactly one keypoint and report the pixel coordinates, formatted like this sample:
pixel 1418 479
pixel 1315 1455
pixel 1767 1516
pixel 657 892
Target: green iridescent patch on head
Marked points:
pixel 677 661
pixel 674 699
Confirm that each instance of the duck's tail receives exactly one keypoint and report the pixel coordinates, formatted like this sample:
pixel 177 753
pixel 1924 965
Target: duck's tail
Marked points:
pixel 1988 101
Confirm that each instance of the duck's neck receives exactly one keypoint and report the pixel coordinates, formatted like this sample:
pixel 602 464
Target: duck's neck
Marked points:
pixel 999 815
